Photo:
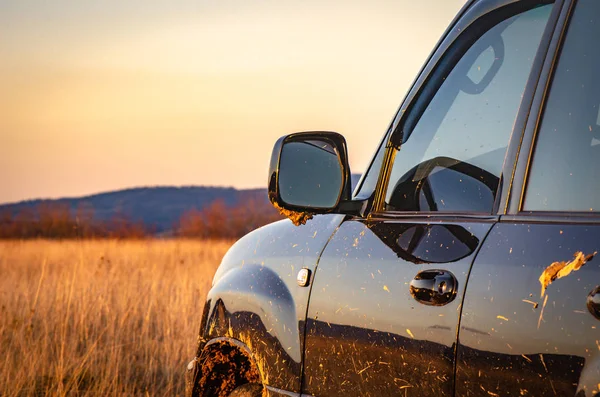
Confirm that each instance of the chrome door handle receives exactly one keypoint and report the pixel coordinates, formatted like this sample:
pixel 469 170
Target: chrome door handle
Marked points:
pixel 434 287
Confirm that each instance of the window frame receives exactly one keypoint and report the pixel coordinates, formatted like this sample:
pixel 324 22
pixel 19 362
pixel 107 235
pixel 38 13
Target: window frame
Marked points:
pixel 515 212
pixel 476 18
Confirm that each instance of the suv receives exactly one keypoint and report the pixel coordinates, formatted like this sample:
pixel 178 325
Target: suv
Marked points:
pixel 463 264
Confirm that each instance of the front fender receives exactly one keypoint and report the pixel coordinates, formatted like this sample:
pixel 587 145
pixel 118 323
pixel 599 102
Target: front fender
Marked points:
pixel 255 297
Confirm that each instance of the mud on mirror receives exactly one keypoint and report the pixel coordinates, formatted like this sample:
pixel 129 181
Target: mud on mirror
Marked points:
pixel 309 174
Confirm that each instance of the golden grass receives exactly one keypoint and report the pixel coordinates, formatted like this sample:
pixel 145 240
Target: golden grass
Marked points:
pixel 101 317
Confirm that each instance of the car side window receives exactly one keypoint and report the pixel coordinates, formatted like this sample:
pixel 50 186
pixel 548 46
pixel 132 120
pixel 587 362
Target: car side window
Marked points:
pixel 564 174
pixel 452 159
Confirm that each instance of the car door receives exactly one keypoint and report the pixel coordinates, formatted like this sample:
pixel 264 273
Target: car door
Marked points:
pixel 386 296
pixel 530 324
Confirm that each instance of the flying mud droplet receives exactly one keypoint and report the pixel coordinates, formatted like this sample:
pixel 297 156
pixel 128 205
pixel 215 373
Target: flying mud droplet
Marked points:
pixel 542 311
pixel 535 304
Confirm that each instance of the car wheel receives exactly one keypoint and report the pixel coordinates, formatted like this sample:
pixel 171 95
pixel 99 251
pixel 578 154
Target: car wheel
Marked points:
pixel 248 390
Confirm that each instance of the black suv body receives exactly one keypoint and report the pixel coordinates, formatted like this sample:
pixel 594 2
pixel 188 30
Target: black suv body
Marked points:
pixel 463 264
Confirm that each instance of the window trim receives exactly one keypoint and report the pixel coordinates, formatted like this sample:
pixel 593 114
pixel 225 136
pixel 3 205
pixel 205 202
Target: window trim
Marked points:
pixel 524 162
pixel 549 217
pixel 434 217
pixel 474 20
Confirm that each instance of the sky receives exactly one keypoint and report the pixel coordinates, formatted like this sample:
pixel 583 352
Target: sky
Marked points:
pixel 101 95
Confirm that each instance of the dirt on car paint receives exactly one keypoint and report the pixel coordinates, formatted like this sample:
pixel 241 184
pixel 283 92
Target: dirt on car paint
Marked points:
pixel 297 218
pixel 562 269
pixel 225 369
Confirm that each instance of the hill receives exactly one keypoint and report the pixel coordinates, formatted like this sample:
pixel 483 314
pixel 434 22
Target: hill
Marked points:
pixel 157 208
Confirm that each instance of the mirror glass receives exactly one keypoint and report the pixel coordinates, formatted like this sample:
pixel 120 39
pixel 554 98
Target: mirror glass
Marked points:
pixel 310 174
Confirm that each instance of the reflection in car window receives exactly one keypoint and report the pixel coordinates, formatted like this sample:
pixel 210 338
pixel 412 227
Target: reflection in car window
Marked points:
pixel 453 158
pixel 565 170
pixel 369 183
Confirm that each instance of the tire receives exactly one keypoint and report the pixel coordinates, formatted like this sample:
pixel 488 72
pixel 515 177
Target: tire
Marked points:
pixel 248 390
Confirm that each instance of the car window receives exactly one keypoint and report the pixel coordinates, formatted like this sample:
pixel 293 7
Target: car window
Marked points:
pixel 369 184
pixel 565 170
pixel 452 159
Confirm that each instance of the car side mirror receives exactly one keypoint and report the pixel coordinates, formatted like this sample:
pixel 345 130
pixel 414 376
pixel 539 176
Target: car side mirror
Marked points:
pixel 309 172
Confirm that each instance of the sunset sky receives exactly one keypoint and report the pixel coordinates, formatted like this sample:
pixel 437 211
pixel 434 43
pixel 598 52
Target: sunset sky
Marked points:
pixel 100 95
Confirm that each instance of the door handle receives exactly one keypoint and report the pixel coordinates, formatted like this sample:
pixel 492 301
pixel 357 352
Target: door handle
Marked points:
pixel 434 287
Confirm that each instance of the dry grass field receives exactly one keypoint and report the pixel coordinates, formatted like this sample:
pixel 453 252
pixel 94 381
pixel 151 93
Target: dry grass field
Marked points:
pixel 101 317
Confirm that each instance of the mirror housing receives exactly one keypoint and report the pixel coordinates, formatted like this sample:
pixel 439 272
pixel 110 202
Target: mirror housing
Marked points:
pixel 309 173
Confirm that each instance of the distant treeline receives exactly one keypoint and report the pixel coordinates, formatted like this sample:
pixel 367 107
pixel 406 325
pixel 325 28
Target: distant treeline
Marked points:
pixel 220 221
pixel 59 221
